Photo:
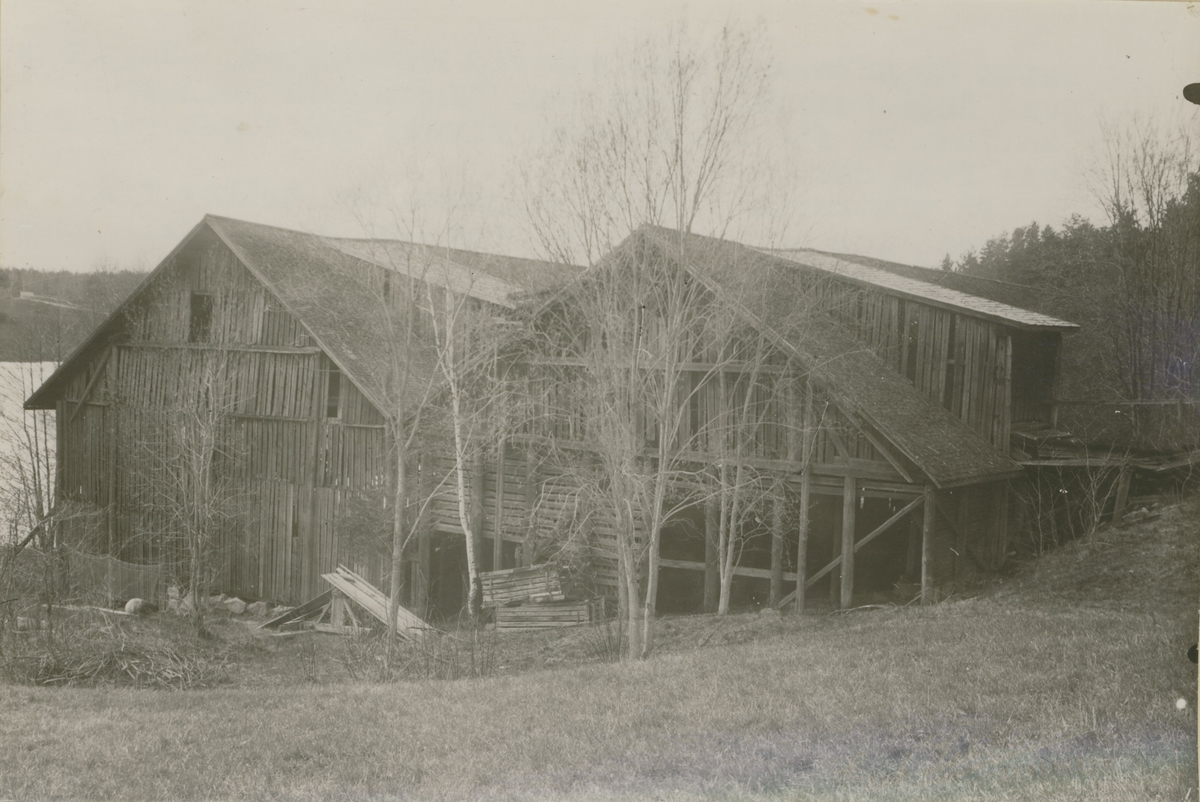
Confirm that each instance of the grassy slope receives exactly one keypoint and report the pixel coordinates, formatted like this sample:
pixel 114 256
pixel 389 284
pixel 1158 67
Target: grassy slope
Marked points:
pixel 1060 684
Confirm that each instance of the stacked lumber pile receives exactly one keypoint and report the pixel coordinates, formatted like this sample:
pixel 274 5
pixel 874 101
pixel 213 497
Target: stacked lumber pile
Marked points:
pixel 516 585
pixel 533 598
pixel 549 614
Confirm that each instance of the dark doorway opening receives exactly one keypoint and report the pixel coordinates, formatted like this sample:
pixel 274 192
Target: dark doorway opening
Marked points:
pixel 447 578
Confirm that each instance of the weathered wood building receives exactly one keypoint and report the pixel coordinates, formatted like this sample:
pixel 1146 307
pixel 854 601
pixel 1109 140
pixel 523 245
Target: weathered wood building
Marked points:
pixel 296 325
pixel 915 386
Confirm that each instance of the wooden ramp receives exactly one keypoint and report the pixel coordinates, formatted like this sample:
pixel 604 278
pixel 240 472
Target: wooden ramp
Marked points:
pixel 369 598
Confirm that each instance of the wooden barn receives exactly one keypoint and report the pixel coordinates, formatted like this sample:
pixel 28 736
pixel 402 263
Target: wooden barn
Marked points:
pixel 886 407
pixel 295 324
pixel 908 465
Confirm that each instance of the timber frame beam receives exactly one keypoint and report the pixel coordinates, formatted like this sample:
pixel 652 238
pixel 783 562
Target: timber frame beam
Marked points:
pixel 879 530
pixel 87 391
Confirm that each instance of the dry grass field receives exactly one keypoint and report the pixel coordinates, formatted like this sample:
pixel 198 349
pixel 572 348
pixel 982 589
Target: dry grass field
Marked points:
pixel 1061 683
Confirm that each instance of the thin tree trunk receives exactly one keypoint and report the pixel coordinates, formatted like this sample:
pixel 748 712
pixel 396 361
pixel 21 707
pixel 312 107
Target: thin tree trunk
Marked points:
pixel 398 528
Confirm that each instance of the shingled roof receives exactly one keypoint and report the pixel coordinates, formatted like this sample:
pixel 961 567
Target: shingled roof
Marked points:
pixel 322 282
pixel 771 292
pixel 910 283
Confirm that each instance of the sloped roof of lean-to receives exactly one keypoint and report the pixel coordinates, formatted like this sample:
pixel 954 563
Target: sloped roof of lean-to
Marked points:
pixel 769 290
pixel 897 283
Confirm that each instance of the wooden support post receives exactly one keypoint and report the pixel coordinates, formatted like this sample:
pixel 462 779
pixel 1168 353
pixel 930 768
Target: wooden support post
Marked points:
pixel 849 507
pixel 1122 492
pixel 112 501
pixel 1002 525
pixel 802 540
pixel 421 569
pixel 530 505
pixel 712 576
pixel 777 523
pixel 837 561
pixel 498 515
pixel 960 548
pixel 806 441
pixel 927 522
pixel 835 575
pixel 337 610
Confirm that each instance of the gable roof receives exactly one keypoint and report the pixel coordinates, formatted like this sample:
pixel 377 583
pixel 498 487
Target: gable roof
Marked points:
pixel 772 293
pixel 324 283
pixel 915 283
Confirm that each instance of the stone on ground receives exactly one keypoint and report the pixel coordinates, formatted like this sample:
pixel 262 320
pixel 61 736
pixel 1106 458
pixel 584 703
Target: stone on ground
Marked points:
pixel 140 607
pixel 235 605
pixel 258 608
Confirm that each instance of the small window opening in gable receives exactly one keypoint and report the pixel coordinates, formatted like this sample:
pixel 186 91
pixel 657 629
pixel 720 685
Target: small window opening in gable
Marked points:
pixel 333 394
pixel 387 286
pixel 200 320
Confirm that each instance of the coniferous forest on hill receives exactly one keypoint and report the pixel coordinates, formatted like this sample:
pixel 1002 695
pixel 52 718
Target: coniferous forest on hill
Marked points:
pixel 45 315
pixel 1133 285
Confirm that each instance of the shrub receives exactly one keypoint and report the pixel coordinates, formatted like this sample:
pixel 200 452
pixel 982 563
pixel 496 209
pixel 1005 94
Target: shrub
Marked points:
pixel 106 654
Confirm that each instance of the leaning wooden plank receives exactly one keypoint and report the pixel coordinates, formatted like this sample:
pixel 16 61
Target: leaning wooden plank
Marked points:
pixel 369 598
pixel 308 609
pixel 340 630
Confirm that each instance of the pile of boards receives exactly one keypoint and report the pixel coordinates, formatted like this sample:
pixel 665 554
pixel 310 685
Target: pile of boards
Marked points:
pixel 532 598
pixel 329 612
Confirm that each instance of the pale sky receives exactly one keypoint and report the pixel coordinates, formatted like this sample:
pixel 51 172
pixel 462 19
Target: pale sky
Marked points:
pixel 920 128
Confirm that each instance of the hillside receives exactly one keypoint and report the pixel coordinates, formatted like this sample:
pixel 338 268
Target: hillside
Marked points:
pixel 1062 683
pixel 44 316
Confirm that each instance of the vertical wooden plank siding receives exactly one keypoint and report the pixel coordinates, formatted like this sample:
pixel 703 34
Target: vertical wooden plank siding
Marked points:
pixel 294 456
pixel 956 360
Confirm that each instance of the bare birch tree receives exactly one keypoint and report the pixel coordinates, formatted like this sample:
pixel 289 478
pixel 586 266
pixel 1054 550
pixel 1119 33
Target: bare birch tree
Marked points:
pixel 435 336
pixel 676 134
pixel 1147 179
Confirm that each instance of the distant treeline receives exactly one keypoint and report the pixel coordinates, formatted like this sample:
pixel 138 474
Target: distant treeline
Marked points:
pixel 1133 285
pixel 57 311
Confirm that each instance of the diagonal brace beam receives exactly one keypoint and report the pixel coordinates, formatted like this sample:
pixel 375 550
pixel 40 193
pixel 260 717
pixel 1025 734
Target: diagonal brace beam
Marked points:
pixel 879 530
